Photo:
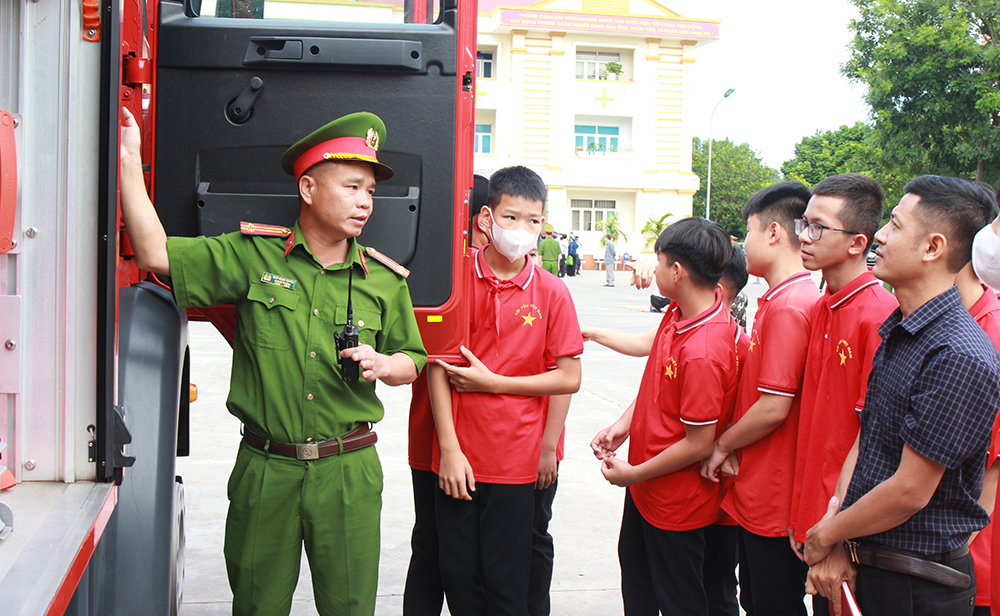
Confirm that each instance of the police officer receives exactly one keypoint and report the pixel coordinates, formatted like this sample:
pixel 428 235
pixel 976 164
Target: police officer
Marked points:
pixel 306 472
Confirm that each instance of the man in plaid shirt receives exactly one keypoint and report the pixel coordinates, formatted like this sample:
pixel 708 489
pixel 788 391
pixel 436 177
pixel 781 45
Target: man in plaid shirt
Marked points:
pixel 910 484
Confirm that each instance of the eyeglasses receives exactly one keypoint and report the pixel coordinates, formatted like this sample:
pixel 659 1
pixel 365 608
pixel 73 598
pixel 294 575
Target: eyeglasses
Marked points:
pixel 815 229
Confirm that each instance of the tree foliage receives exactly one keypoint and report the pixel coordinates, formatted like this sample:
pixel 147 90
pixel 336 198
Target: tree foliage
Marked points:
pixel 849 149
pixel 737 173
pixel 653 228
pixel 611 226
pixel 932 68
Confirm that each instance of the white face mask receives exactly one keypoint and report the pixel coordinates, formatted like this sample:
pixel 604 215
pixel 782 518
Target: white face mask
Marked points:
pixel 513 244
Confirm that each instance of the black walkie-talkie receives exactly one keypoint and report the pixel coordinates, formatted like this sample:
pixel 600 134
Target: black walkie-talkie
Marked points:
pixel 348 339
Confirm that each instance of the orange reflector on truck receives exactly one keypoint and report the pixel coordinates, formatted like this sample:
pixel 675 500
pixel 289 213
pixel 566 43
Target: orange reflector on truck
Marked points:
pixel 192 392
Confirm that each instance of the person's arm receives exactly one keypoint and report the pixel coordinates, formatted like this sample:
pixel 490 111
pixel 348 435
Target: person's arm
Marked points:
pixel 763 418
pixel 396 369
pixel 695 446
pixel 145 232
pixel 564 379
pixel 548 468
pixel 455 474
pixel 886 506
pixel 634 345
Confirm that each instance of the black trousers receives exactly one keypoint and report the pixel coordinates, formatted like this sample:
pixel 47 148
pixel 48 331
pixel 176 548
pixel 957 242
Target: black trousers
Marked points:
pixel 485 549
pixel 661 569
pixel 542 553
pixel 772 578
pixel 719 570
pixel 886 592
pixel 423 594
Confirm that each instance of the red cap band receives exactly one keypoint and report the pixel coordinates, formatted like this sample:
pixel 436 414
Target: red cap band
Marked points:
pixel 341 148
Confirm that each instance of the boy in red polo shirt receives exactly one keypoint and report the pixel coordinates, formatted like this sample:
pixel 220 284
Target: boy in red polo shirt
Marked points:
pixel 772 578
pixel 984 306
pixel 836 233
pixel 489 417
pixel 686 391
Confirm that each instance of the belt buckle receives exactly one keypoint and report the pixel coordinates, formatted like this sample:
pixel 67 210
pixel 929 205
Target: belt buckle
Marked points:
pixel 309 451
pixel 852 549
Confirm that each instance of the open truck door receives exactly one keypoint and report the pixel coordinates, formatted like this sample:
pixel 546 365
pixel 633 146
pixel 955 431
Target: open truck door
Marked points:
pixel 230 95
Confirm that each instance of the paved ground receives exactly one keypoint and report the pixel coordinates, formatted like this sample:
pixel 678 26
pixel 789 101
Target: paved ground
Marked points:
pixel 587 510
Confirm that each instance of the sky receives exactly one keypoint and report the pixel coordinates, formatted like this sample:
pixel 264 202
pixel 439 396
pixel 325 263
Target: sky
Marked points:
pixel 783 58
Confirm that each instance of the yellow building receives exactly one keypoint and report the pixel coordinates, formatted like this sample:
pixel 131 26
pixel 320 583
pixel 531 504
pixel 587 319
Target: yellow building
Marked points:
pixel 602 142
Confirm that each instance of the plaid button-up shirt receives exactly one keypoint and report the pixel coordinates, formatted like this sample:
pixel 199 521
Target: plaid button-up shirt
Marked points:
pixel 935 386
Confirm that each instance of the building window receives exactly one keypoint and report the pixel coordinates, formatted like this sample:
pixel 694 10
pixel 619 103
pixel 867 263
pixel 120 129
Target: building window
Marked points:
pixel 484 64
pixel 593 139
pixel 586 213
pixel 484 139
pixel 594 64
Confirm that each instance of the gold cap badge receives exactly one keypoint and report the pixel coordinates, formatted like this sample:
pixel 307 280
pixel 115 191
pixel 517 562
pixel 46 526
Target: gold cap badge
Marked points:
pixel 372 139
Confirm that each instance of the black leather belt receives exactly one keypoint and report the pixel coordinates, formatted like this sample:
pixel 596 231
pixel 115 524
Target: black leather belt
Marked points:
pixel 912 563
pixel 356 439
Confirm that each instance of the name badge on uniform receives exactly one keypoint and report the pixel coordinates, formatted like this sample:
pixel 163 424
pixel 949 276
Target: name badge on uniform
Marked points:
pixel 278 281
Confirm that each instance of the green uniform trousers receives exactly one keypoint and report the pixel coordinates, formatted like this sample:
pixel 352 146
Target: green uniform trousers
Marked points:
pixel 551 267
pixel 332 505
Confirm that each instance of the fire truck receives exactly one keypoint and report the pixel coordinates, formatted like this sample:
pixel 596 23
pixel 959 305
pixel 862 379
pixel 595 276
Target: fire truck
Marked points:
pixel 94 357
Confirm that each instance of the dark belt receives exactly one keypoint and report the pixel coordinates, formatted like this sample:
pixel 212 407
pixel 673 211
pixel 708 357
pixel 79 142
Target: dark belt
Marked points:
pixel 356 439
pixel 912 563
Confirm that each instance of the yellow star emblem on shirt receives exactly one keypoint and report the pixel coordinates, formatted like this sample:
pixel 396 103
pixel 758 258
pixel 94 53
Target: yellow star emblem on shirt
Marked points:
pixel 843 358
pixel 670 370
pixel 529 320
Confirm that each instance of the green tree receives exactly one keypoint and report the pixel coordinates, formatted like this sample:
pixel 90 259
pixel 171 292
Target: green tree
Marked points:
pixel 611 227
pixel 932 68
pixel 849 149
pixel 653 228
pixel 737 173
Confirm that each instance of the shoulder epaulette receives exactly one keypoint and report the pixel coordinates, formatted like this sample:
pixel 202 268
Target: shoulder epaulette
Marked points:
pixel 253 228
pixel 386 261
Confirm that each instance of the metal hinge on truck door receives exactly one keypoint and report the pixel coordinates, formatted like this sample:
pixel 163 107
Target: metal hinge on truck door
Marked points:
pixel 136 71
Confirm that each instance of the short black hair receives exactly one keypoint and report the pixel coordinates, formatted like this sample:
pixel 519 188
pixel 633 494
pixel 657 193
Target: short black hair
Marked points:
pixel 480 196
pixel 516 181
pixel 864 201
pixel 957 208
pixel 782 203
pixel 735 277
pixel 702 247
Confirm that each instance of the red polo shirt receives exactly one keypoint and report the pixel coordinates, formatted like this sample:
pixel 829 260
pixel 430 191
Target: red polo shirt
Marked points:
pixel 986 312
pixel 760 499
pixel 690 379
pixel 516 324
pixel 841 348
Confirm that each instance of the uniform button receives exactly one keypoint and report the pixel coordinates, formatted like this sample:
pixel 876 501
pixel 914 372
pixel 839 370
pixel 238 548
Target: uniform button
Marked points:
pixel 322 272
pixel 361 323
pixel 270 300
pixel 313 355
pixel 316 312
pixel 309 397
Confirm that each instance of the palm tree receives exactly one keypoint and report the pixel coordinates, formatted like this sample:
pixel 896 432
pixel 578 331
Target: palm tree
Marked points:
pixel 653 228
pixel 611 227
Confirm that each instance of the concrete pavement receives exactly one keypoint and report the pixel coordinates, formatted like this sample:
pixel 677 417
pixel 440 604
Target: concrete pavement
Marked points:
pixel 586 513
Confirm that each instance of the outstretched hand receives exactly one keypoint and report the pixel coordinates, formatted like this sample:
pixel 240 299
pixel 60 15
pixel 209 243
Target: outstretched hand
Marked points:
pixel 131 136
pixel 642 274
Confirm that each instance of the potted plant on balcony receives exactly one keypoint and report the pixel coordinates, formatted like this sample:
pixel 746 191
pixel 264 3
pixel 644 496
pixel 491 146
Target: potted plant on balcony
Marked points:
pixel 614 70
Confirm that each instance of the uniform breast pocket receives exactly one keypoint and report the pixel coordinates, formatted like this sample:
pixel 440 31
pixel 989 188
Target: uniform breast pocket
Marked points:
pixel 269 315
pixel 368 322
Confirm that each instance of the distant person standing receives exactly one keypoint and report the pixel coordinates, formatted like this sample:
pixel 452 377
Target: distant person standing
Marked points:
pixel 572 257
pixel 609 260
pixel 549 249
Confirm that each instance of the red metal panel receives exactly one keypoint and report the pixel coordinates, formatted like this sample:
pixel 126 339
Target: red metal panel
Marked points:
pixel 8 181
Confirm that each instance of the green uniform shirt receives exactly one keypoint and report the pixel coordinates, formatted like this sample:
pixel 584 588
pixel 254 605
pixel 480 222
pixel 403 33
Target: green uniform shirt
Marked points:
pixel 549 249
pixel 286 382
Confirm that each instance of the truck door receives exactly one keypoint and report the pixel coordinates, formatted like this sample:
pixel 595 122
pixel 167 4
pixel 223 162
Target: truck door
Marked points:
pixel 229 95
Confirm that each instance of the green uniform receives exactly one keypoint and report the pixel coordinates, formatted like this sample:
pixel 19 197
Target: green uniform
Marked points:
pixel 286 386
pixel 550 251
